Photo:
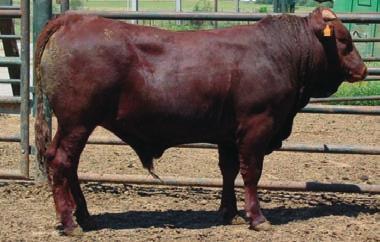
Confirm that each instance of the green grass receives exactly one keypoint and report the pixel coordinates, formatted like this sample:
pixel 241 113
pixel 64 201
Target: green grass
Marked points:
pixel 359 89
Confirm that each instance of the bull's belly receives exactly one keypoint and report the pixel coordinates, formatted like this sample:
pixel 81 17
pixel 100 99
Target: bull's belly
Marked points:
pixel 168 133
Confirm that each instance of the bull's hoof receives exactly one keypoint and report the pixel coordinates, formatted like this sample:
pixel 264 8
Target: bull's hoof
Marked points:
pixel 265 226
pixel 73 231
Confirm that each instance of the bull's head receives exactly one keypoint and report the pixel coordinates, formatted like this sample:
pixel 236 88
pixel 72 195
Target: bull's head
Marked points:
pixel 343 60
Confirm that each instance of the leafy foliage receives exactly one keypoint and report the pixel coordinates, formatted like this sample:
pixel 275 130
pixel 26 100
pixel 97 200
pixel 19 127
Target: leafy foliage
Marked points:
pixel 264 1
pixel 76 4
pixel 359 89
pixel 263 9
pixel 203 6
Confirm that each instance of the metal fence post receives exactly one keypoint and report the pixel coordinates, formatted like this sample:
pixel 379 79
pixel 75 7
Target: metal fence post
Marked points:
pixel 135 8
pixel 281 6
pixel 42 12
pixel 24 108
pixel 65 5
pixel 284 4
pixel 215 10
pixel 237 6
pixel 10 47
pixel 178 9
pixel 275 6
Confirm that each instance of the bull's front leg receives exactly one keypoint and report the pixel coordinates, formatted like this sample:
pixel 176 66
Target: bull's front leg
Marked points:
pixel 251 171
pixel 253 138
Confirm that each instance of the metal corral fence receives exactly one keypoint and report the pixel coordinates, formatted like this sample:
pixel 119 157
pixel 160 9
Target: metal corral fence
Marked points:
pixel 43 12
pixel 21 103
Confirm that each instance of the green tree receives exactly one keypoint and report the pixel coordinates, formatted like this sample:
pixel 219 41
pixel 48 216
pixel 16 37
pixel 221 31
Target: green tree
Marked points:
pixel 76 4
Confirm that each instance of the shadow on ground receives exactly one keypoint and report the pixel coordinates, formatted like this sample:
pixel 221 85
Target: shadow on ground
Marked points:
pixel 206 219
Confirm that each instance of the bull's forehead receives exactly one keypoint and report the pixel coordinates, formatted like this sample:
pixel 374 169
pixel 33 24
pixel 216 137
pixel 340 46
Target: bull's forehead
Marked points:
pixel 340 30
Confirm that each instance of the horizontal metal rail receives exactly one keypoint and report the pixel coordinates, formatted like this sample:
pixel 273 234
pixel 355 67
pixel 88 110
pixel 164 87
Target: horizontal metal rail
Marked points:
pixel 10 13
pixel 344 99
pixel 342 109
pixel 10 100
pixel 212 182
pixel 332 149
pixel 366 40
pixel 14 7
pixel 9 36
pixel 312 108
pixel 371 59
pixel 322 148
pixel 10 105
pixel 372 78
pixel 13 139
pixel 12 174
pixel 9 81
pixel 7 61
pixel 17 100
pixel 374 70
pixel 345 17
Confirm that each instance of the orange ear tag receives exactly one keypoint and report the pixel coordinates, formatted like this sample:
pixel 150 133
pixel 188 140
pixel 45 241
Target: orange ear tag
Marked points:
pixel 327 31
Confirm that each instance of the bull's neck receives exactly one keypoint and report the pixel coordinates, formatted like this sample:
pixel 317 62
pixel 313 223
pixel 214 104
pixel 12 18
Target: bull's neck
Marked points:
pixel 312 65
pixel 301 48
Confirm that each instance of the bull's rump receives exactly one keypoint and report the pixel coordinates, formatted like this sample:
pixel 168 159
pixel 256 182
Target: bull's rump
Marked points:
pixel 180 87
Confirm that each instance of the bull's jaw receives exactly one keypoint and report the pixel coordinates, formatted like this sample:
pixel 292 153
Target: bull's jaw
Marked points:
pixel 324 94
pixel 327 88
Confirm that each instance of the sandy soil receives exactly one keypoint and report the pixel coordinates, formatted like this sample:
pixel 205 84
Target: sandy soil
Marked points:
pixel 141 213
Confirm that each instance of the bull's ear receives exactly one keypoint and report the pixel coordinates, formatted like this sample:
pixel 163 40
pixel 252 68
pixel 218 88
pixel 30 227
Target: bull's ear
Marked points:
pixel 328 15
pixel 320 20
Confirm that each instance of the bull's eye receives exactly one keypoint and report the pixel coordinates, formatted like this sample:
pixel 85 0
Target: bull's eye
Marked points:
pixel 344 41
pixel 345 46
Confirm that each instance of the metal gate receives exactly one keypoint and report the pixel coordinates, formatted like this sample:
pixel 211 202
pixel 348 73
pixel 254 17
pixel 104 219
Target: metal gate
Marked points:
pixel 43 11
pixel 21 103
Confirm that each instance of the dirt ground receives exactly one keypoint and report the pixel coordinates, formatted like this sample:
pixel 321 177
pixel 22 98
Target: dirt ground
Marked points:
pixel 152 213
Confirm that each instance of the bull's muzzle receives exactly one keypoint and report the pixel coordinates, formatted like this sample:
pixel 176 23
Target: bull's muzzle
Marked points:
pixel 361 75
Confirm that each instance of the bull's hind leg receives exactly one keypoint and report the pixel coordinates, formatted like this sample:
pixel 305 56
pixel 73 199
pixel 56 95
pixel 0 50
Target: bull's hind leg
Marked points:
pixel 62 170
pixel 253 142
pixel 229 167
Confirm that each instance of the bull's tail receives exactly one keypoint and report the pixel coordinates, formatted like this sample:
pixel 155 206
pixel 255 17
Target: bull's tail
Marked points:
pixel 42 131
